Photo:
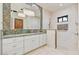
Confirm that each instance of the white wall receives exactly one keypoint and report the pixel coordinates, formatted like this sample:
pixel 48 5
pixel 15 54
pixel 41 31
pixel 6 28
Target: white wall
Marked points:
pixel 66 39
pixel 78 17
pixel 78 26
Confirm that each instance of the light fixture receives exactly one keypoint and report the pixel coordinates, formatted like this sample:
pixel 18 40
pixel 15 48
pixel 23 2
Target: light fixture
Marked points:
pixel 28 12
pixel 33 5
pixel 61 4
pixel 21 15
pixel 24 12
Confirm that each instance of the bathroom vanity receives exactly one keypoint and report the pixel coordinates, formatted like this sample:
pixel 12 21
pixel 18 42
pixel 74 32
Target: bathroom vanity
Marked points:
pixel 21 32
pixel 22 43
pixel 19 44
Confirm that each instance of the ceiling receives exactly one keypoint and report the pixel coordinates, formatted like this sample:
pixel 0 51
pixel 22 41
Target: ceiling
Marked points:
pixel 55 6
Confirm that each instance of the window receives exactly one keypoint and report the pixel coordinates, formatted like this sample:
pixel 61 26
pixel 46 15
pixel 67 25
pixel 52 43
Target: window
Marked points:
pixel 65 19
pixel 62 19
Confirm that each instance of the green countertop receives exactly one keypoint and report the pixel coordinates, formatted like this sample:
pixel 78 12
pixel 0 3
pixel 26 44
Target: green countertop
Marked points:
pixel 19 35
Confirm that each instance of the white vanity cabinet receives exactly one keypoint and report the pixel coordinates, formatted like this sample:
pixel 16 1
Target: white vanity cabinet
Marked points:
pixel 22 44
pixel 34 41
pixel 27 44
pixel 19 45
pixel 31 42
pixel 7 46
pixel 43 39
pixel 12 46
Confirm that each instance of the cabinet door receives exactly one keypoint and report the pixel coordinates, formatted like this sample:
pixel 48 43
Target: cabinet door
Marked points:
pixel 18 45
pixel 45 37
pixel 42 39
pixel 7 46
pixel 26 43
pixel 7 49
pixel 35 41
pixel 18 42
pixel 13 46
pixel 31 42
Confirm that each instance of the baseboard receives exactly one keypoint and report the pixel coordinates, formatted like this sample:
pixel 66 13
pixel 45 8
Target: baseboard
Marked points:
pixel 34 49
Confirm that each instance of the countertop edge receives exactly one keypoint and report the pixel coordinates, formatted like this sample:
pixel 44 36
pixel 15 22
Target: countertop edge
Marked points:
pixel 20 35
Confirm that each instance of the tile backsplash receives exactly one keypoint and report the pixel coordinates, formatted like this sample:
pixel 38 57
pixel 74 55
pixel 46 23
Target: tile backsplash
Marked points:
pixel 22 31
pixel 6 16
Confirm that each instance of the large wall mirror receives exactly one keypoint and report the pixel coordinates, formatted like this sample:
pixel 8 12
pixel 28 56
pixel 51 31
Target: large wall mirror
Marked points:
pixel 21 18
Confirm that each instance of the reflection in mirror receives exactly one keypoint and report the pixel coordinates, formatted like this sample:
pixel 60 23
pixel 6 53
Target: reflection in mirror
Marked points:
pixel 23 18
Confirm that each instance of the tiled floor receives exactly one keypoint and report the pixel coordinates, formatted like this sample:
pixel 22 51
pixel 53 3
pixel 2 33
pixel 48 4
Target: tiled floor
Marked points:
pixel 47 51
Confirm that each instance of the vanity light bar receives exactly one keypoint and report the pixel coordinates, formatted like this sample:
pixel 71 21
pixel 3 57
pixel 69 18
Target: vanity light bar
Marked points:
pixel 28 12
pixel 21 15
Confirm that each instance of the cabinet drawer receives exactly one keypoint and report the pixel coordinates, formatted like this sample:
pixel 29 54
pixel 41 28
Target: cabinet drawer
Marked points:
pixel 7 41
pixel 9 53
pixel 13 44
pixel 18 39
pixel 7 47
pixel 12 49
pixel 18 44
